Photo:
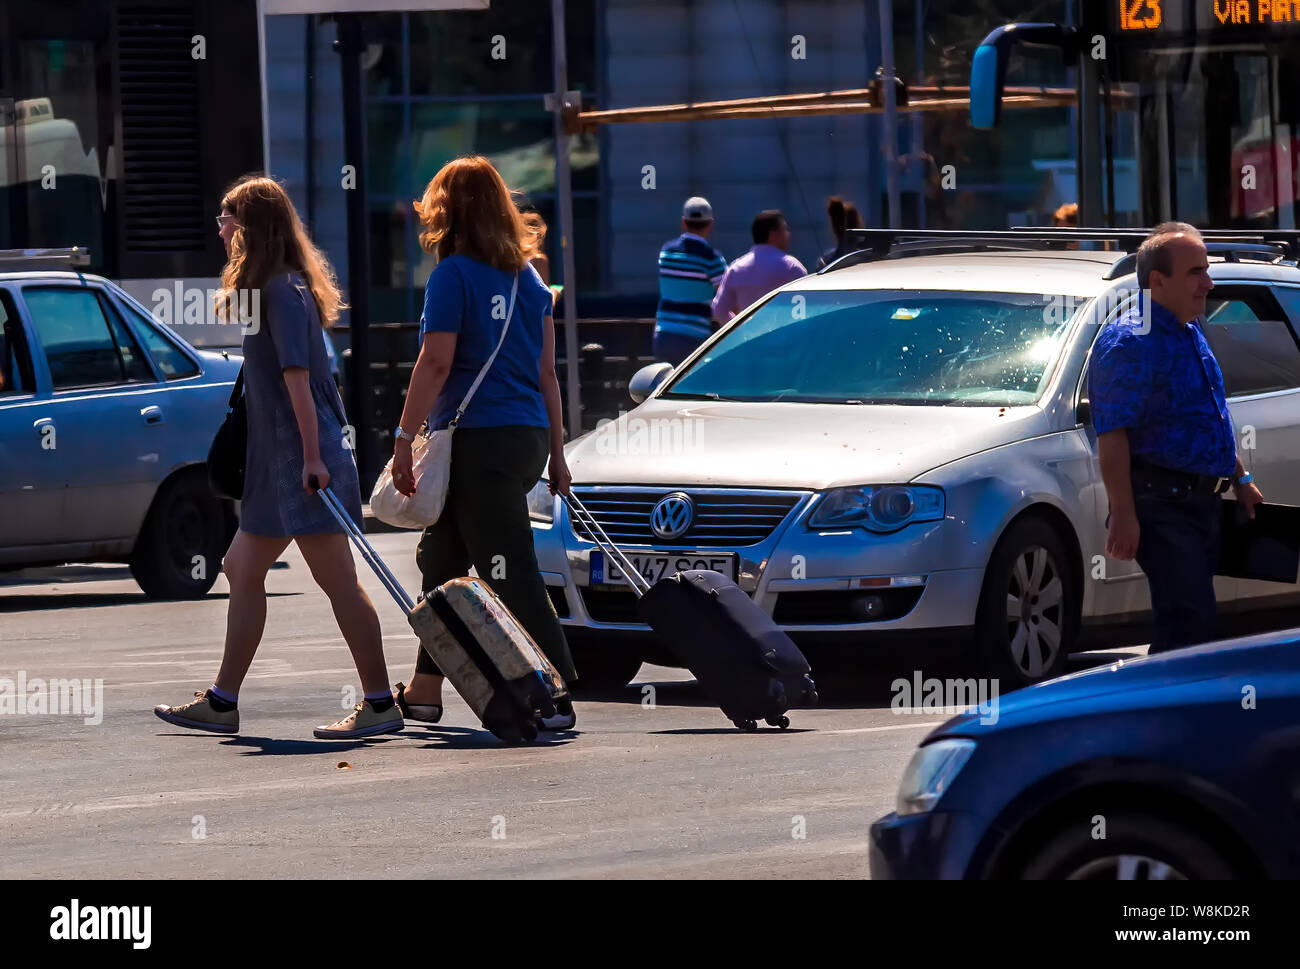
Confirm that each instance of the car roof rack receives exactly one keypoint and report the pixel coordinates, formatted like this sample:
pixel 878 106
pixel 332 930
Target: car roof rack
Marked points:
pixel 868 245
pixel 13 260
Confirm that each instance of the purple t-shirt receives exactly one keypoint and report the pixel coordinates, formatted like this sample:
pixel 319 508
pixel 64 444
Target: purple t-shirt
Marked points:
pixel 753 275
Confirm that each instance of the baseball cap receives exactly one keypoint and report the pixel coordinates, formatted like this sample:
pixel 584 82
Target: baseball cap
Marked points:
pixel 697 209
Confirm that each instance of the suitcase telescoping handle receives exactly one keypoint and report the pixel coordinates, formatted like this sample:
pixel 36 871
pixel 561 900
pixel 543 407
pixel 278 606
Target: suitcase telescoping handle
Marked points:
pixel 364 547
pixel 639 583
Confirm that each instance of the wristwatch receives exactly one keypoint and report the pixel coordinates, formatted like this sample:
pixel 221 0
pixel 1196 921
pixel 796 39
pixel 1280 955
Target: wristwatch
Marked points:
pixel 400 434
pixel 1246 478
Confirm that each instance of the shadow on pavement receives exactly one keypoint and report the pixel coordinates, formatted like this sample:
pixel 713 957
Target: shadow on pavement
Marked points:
pixel 762 729
pixel 837 687
pixel 34 602
pixel 280 747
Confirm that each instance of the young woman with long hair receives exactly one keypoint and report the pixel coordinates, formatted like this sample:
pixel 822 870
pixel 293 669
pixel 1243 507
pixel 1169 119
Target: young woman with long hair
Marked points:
pixel 295 432
pixel 512 429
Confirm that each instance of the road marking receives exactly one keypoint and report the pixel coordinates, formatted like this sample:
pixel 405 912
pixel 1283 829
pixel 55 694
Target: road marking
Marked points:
pixel 898 726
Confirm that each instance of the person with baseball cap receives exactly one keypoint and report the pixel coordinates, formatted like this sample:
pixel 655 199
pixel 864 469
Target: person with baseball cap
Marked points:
pixel 690 270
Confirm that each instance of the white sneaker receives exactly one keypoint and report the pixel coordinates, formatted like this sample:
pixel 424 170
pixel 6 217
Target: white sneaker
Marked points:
pixel 565 717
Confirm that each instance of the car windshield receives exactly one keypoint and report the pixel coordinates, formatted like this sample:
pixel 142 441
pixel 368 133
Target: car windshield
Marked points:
pixel 885 347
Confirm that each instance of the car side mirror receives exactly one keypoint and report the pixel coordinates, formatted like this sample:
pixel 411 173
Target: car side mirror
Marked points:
pixel 645 380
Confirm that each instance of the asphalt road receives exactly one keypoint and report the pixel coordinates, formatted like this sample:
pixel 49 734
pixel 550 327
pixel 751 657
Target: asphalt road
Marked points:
pixel 669 790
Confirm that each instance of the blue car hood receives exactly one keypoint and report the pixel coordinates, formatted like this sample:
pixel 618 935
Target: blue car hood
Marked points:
pixel 1128 683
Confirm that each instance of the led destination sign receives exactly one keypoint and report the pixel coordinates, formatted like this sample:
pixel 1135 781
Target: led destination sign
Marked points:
pixel 1217 19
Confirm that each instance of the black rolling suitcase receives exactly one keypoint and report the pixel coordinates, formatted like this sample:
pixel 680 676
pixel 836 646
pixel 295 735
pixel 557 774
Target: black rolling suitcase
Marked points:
pixel 476 641
pixel 752 669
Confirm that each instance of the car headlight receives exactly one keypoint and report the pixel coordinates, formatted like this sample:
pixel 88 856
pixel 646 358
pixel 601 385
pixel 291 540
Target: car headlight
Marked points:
pixel 930 773
pixel 880 508
pixel 541 503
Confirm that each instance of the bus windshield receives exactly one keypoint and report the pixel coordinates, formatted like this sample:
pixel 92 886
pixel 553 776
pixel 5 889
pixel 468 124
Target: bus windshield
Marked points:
pixel 1197 108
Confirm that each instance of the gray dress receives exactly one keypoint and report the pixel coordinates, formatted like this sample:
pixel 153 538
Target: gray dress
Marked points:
pixel 290 335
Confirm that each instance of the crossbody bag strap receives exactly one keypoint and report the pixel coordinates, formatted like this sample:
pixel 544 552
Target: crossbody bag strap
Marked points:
pixel 487 366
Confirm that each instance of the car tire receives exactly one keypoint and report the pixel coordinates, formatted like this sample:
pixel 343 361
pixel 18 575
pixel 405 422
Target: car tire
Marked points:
pixel 184 521
pixel 603 668
pixel 1029 565
pixel 1137 846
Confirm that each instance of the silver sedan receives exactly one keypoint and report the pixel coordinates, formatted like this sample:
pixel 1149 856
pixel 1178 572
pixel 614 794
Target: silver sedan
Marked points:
pixel 900 453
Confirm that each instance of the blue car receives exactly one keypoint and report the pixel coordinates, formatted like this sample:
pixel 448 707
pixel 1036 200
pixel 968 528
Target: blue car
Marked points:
pixel 106 417
pixel 1183 765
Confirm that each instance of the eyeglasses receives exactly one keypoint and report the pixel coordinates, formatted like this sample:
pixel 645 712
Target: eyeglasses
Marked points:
pixel 222 220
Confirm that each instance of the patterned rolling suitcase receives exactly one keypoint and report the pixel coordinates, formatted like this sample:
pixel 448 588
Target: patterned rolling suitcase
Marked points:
pixel 486 654
pixel 743 659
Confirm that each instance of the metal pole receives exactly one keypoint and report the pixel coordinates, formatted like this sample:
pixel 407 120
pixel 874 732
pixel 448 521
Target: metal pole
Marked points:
pixel 351 44
pixel 918 123
pixel 564 212
pixel 891 112
pixel 1090 160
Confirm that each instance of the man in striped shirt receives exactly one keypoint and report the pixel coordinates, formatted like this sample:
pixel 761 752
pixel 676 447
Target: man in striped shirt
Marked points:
pixel 689 272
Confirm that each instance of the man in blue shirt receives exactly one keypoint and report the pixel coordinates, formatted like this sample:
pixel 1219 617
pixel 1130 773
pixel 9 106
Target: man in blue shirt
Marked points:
pixel 1165 437
pixel 689 272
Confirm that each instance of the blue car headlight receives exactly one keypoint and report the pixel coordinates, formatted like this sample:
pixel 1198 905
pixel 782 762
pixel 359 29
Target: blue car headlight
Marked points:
pixel 930 773
pixel 880 508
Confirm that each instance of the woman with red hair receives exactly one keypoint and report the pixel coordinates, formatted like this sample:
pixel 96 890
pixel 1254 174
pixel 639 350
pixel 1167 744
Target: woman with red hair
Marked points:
pixel 512 430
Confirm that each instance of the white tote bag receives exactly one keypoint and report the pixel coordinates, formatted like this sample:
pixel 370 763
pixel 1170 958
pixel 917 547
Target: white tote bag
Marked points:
pixel 431 460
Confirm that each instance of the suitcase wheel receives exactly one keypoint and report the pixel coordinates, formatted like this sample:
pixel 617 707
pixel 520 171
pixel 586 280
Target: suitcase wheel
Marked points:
pixel 782 721
pixel 748 726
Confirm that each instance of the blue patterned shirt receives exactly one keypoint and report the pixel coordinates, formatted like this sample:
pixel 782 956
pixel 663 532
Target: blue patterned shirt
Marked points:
pixel 689 272
pixel 1165 387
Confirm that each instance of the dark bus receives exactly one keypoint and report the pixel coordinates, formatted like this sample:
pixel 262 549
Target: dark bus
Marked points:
pixel 121 123
pixel 1187 109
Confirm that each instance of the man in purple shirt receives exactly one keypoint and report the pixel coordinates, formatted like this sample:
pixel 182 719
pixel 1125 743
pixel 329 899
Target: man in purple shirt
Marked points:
pixel 765 267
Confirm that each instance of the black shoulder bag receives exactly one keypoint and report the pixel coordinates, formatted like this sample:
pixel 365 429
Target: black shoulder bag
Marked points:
pixel 229 451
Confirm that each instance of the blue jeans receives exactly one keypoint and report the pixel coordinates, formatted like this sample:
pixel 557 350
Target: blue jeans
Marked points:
pixel 1178 549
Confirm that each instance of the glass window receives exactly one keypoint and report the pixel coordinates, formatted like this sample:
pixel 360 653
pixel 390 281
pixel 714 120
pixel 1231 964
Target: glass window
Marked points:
pixel 171 361
pixel 58 111
pixel 383 57
pixel 505 49
pixel 517 136
pixel 386 154
pixel 882 347
pixel 80 347
pixel 390 292
pixel 1252 341
pixel 15 365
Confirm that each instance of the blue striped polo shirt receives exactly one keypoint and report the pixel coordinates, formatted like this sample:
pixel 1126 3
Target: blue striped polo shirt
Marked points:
pixel 689 270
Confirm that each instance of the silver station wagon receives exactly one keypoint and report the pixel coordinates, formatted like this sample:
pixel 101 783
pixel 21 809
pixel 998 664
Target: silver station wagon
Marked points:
pixel 897 452
pixel 106 417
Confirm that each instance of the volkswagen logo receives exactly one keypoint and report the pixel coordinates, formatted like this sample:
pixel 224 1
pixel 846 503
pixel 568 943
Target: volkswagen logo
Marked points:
pixel 672 515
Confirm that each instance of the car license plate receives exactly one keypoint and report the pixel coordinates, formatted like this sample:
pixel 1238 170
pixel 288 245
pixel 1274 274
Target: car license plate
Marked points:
pixel 656 565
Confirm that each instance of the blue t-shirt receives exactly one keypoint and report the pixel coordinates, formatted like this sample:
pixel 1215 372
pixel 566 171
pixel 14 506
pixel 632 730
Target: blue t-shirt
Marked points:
pixel 1162 383
pixel 472 298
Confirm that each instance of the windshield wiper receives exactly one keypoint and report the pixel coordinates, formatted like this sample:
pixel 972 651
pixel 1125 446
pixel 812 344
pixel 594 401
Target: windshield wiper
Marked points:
pixel 710 395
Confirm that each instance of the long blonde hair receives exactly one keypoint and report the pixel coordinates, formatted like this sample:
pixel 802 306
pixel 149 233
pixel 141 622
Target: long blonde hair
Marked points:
pixel 466 208
pixel 268 237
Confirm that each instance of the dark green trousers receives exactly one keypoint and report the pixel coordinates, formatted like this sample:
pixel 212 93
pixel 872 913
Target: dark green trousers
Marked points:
pixel 485 524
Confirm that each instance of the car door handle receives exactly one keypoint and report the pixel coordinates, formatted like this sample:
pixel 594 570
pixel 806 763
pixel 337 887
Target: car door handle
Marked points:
pixel 151 415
